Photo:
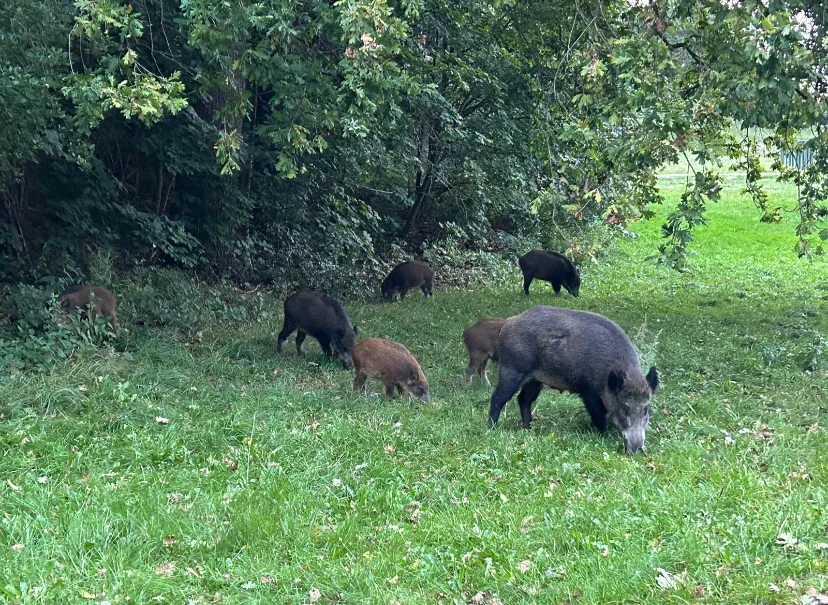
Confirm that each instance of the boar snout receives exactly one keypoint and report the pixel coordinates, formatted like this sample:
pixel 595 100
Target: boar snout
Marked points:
pixel 633 440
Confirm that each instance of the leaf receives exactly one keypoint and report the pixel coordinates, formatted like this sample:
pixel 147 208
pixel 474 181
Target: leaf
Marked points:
pixel 162 420
pixel 524 566
pixel 667 580
pixel 14 488
pixel 786 540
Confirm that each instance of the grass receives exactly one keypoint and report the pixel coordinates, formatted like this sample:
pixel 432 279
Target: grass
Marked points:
pixel 209 469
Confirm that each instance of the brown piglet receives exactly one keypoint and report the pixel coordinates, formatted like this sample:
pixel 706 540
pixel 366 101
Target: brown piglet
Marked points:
pixel 481 344
pixel 391 363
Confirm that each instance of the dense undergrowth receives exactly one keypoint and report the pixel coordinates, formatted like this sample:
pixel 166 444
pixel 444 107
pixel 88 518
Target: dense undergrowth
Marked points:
pixel 183 461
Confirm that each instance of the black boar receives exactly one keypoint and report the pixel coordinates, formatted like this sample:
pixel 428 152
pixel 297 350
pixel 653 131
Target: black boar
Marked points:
pixel 553 267
pixel 481 344
pixel 407 276
pixel 391 363
pixel 322 317
pixel 103 302
pixel 580 352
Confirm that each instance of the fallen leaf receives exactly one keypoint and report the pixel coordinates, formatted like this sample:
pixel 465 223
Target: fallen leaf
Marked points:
pixel 162 420
pixel 790 583
pixel 18 547
pixel 478 599
pixel 194 572
pixel 699 591
pixel 266 580
pixel 524 566
pixel 86 595
pixel 393 580
pixel 773 587
pixel 817 598
pixel 43 480
pixel 337 482
pixel 314 595
pixel 390 448
pixel 13 487
pixel 786 540
pixel 165 569
pixel 666 579
pixel 169 541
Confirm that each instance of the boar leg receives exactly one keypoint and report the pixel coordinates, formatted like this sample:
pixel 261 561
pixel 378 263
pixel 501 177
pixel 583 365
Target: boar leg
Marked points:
pixel 482 371
pixel 527 281
pixel 597 411
pixel 528 394
pixel 359 382
pixel 326 347
pixel 287 330
pixel 508 384
pixel 300 338
pixel 474 366
pixel 389 390
pixel 556 286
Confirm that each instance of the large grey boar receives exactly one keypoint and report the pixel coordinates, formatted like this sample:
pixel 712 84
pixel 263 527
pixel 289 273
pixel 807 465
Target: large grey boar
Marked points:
pixel 553 267
pixel 315 314
pixel 580 352
pixel 408 276
pixel 101 300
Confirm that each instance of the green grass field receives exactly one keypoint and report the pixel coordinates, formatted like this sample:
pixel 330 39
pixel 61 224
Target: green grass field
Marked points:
pixel 211 470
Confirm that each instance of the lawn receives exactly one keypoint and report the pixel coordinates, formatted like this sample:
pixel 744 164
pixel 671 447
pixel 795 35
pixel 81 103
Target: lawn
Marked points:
pixel 210 470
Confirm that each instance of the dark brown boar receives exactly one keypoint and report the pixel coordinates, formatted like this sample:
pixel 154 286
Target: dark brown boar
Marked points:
pixel 102 302
pixel 553 267
pixel 322 317
pixel 408 276
pixel 580 352
pixel 391 363
pixel 481 344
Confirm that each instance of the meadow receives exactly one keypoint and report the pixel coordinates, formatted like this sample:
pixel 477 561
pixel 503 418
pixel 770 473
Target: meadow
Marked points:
pixel 206 468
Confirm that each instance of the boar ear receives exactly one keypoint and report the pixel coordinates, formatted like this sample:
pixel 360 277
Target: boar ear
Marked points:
pixel 652 379
pixel 615 381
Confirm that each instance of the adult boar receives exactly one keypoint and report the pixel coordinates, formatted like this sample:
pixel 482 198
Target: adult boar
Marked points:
pixel 391 363
pixel 408 276
pixel 580 352
pixel 100 300
pixel 553 267
pixel 322 317
pixel 481 345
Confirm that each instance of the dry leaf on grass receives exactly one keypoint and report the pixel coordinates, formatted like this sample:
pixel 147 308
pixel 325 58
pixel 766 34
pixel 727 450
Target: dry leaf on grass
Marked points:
pixel 669 580
pixel 162 420
pixel 786 540
pixel 524 566
pixel 18 547
pixel 165 569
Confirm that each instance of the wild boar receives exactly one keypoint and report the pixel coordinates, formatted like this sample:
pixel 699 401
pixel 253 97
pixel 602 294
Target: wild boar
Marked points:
pixel 407 276
pixel 481 344
pixel 553 267
pixel 102 301
pixel 322 317
pixel 391 363
pixel 580 352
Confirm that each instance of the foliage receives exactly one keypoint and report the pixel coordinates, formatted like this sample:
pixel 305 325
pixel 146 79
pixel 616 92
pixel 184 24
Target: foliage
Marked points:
pixel 303 142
